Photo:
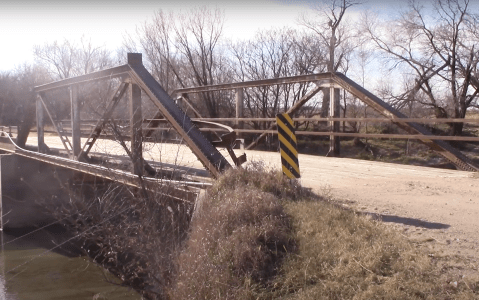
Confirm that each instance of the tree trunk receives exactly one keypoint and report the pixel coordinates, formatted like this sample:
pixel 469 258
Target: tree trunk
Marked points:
pixel 27 122
pixel 456 128
pixel 325 105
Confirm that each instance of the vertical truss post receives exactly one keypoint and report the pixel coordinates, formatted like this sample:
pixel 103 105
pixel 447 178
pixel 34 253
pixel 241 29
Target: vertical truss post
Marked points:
pixel 75 117
pixel 334 111
pixel 136 120
pixel 40 125
pixel 239 97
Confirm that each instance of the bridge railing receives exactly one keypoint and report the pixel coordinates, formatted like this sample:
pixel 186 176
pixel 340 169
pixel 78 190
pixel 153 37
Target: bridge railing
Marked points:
pixel 347 134
pixel 88 125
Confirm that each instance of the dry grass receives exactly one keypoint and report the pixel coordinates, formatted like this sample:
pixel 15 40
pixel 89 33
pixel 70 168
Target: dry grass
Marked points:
pixel 260 237
pixel 136 236
pixel 346 256
pixel 257 235
pixel 238 239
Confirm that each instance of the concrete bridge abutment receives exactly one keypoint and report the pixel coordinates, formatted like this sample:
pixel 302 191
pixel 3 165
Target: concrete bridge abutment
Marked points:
pixel 30 190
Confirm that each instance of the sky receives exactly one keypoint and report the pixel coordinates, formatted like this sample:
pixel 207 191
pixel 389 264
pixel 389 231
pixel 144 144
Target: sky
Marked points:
pixel 25 23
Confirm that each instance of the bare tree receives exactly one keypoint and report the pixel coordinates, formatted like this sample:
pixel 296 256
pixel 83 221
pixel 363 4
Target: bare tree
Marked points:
pixel 17 100
pixel 471 69
pixel 273 54
pixel 67 59
pixel 335 35
pixel 438 47
pixel 184 50
pixel 157 43
pixel 265 57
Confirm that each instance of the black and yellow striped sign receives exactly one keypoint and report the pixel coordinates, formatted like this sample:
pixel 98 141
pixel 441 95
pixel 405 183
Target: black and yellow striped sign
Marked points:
pixel 288 146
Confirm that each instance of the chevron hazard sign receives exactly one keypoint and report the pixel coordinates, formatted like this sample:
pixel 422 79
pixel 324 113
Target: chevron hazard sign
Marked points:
pixel 288 146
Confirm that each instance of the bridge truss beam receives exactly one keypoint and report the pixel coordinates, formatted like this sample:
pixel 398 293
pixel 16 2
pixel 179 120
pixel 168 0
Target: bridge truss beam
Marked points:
pixel 335 81
pixel 135 74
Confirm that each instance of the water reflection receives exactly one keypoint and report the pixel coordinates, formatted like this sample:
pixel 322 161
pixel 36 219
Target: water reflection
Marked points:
pixel 30 271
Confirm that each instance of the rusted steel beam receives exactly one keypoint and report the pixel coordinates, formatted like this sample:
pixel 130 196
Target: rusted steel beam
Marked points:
pixel 211 158
pixel 348 134
pixel 369 135
pixel 239 99
pixel 158 118
pixel 377 120
pixel 174 189
pixel 322 79
pixel 121 71
pixel 153 124
pixel 186 99
pixel 441 147
pixel 334 110
pixel 178 188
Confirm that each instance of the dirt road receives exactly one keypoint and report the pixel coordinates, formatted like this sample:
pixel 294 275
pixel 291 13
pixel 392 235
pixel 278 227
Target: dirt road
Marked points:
pixel 437 207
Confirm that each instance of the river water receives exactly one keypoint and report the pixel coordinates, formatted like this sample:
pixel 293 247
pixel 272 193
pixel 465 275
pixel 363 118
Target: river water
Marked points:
pixel 29 270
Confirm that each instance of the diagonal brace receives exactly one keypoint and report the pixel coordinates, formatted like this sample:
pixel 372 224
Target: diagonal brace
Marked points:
pixel 103 120
pixel 63 138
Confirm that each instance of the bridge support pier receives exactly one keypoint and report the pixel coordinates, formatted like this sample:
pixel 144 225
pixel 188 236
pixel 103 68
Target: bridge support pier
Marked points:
pixel 27 188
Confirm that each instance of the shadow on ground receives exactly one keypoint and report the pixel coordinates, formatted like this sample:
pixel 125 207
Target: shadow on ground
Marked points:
pixel 408 221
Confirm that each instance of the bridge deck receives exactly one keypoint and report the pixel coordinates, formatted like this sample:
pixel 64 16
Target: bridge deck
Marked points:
pixel 185 190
